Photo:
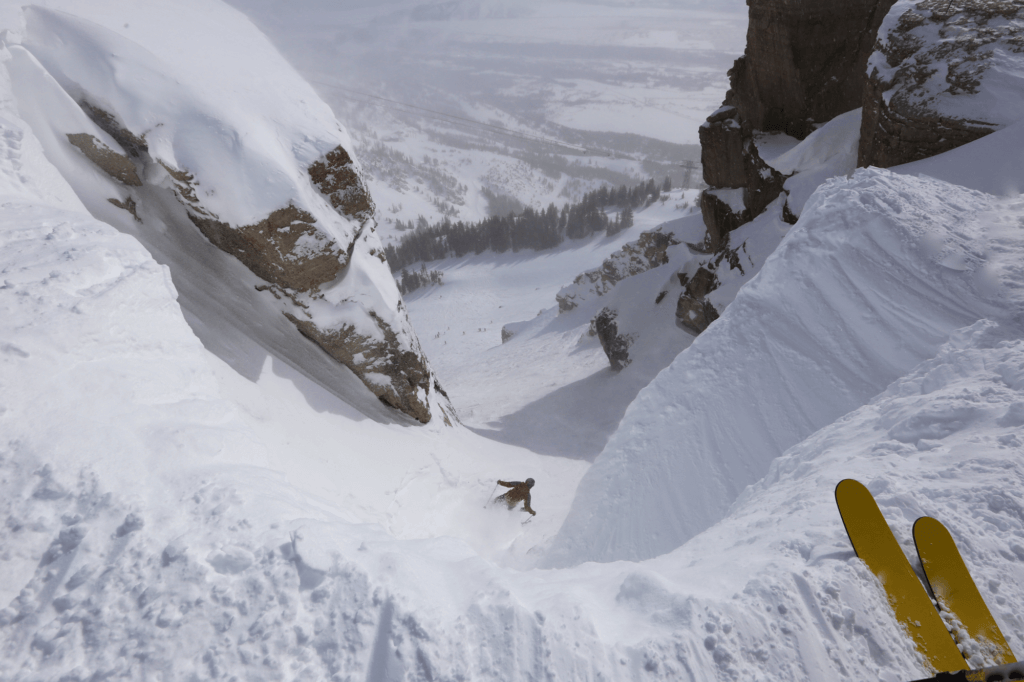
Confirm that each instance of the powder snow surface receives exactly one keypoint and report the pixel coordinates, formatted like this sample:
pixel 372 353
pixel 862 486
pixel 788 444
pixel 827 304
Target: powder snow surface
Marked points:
pixel 877 273
pixel 166 517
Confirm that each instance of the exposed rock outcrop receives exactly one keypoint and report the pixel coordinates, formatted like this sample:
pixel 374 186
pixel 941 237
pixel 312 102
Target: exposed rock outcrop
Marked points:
pixel 409 378
pixel 649 251
pixel 289 250
pixel 925 77
pixel 693 311
pixel 764 183
pixel 285 248
pixel 336 177
pixel 721 146
pixel 615 345
pixel 610 296
pixel 804 64
pixel 698 278
pixel 721 216
pixel 134 145
pixel 117 166
pixel 129 205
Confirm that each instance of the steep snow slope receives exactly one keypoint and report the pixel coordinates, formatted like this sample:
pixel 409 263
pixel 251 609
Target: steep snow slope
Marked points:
pixel 176 569
pixel 122 465
pixel 872 279
pixel 156 144
pixel 127 448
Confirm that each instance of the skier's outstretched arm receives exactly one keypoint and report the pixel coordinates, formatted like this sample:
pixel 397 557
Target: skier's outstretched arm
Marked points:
pixel 506 484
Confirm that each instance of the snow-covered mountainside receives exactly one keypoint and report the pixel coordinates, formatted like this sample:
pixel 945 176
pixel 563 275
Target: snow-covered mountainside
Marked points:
pixel 182 498
pixel 156 144
pixel 713 434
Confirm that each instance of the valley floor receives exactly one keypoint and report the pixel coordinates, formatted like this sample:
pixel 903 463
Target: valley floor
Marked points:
pixel 552 389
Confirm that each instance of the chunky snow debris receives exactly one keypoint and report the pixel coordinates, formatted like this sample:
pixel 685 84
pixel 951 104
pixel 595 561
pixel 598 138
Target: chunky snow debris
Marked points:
pixel 872 279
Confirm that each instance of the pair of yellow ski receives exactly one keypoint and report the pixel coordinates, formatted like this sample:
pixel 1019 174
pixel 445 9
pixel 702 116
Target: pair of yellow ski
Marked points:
pixel 946 574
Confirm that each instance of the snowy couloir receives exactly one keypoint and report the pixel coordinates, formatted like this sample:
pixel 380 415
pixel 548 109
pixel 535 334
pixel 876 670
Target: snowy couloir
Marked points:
pixel 189 490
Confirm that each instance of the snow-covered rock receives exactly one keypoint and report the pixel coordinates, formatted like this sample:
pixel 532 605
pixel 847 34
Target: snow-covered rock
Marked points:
pixel 649 251
pixel 941 75
pixel 738 238
pixel 877 273
pixel 261 170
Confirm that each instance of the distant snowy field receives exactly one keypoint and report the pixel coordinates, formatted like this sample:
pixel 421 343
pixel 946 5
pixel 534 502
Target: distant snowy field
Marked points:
pixel 166 517
pixel 629 81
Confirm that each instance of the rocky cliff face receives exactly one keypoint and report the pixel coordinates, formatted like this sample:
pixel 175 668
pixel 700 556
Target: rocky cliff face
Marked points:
pixel 803 65
pixel 266 178
pixel 297 258
pixel 942 74
pixel 804 62
pixel 653 249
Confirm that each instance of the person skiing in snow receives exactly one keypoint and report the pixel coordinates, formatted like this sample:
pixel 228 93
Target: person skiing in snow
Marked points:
pixel 520 493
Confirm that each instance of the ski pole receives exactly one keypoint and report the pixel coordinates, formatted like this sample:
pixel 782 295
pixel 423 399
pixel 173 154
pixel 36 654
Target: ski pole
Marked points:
pixel 490 496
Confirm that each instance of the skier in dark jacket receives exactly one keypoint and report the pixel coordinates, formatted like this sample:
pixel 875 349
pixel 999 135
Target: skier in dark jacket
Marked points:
pixel 520 493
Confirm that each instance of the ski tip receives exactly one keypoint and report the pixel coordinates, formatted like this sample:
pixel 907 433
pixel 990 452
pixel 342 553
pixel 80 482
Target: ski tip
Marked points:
pixel 928 524
pixel 848 484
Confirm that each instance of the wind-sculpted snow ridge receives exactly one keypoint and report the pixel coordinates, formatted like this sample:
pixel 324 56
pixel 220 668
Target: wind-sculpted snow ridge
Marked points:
pixel 872 279
pixel 944 440
pixel 166 139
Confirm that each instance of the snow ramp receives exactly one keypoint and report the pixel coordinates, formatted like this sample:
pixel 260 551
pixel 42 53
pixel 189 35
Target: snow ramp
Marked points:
pixel 877 273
